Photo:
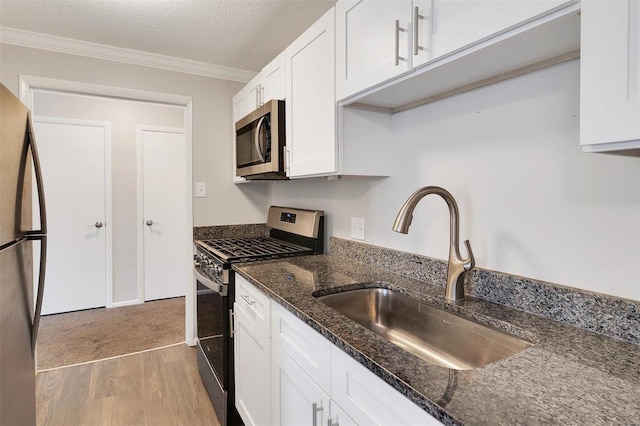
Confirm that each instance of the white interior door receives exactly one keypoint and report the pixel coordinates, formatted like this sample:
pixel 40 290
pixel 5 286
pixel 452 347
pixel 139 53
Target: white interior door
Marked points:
pixel 164 206
pixel 74 156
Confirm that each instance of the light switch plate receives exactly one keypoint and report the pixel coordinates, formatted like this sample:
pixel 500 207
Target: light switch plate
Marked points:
pixel 357 228
pixel 201 189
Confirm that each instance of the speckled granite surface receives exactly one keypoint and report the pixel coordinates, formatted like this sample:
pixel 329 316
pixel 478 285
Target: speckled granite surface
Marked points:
pixel 569 376
pixel 600 313
pixel 230 231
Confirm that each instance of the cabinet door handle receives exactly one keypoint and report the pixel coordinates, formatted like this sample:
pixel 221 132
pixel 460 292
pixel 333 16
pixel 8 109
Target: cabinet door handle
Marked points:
pixel 416 26
pixel 287 161
pixel 398 31
pixel 248 299
pixel 316 410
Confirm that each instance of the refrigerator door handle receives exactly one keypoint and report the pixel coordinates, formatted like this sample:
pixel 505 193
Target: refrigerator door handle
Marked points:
pixel 40 235
pixel 38 307
pixel 37 168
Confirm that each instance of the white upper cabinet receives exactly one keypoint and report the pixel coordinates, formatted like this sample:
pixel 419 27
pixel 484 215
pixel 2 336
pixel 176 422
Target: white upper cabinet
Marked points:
pixel 459 23
pixel 372 50
pixel 610 75
pixel 310 107
pixel 269 84
pixel 370 47
pixel 273 80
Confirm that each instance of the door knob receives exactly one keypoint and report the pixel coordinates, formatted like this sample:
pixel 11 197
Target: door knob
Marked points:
pixel 97 225
pixel 149 222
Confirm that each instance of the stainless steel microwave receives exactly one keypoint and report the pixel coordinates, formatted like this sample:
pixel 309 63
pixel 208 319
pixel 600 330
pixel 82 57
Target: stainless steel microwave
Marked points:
pixel 260 142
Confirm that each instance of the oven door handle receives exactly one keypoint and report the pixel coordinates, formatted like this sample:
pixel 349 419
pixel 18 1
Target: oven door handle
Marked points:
pixel 209 283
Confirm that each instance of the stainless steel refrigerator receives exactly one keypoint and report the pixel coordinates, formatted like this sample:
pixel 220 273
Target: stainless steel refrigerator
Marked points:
pixel 19 309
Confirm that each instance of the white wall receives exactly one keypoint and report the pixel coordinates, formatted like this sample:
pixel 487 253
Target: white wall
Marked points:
pixel 124 116
pixel 531 202
pixel 226 203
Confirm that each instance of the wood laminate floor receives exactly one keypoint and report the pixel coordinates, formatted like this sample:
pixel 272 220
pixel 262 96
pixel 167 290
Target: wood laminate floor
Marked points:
pixel 158 387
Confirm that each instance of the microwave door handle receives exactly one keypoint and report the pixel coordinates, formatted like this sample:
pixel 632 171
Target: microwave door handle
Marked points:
pixel 257 140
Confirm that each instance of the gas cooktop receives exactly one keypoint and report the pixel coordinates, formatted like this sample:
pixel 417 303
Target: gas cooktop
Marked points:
pixel 254 248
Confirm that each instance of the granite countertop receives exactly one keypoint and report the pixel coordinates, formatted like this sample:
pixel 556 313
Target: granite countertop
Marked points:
pixel 569 375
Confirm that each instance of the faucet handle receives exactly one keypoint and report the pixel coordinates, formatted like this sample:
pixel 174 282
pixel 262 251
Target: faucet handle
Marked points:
pixel 470 263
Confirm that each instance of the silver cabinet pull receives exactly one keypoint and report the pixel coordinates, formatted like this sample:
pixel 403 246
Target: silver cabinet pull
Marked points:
pixel 257 96
pixel 247 299
pixel 287 160
pixel 149 222
pixel 97 225
pixel 398 31
pixel 316 410
pixel 416 25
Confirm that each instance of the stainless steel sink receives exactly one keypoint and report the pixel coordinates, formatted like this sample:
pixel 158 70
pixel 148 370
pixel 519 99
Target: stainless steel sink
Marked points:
pixel 433 334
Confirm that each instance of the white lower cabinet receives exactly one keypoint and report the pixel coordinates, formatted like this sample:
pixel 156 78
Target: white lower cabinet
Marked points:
pixel 292 375
pixel 296 399
pixel 369 400
pixel 252 358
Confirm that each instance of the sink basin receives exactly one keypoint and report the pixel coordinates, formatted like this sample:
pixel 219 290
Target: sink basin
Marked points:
pixel 433 334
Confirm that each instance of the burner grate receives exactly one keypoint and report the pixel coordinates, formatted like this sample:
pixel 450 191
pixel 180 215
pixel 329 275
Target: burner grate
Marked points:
pixel 235 249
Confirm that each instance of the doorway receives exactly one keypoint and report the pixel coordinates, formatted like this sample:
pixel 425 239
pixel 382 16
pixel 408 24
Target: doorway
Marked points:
pixel 29 85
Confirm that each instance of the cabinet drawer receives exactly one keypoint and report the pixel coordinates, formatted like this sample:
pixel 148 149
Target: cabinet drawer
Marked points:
pixel 304 345
pixel 253 302
pixel 368 399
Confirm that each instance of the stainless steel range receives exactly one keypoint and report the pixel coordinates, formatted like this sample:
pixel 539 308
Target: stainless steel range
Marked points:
pixel 293 232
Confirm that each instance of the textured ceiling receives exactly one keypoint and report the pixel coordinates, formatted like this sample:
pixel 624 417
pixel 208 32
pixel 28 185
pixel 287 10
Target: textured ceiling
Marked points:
pixel 242 34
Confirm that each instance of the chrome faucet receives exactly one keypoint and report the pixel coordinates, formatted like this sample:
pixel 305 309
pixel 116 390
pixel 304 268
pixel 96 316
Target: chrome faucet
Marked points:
pixel 458 267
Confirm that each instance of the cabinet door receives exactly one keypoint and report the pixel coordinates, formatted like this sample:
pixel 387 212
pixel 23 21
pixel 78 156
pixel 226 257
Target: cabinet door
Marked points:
pixel 367 399
pixel 463 22
pixel 252 357
pixel 310 107
pixel 273 79
pixel 242 105
pixel 610 73
pixel 296 399
pixel 303 344
pixel 367 43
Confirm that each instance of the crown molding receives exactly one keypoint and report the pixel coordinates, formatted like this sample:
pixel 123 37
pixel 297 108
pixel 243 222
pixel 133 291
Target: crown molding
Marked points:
pixel 118 54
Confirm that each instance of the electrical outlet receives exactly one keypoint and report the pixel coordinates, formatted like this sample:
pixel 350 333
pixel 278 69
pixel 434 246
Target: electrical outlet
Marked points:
pixel 357 228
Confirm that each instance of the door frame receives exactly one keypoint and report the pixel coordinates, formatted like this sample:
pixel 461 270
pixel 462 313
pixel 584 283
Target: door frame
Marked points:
pixel 107 188
pixel 140 128
pixel 29 83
